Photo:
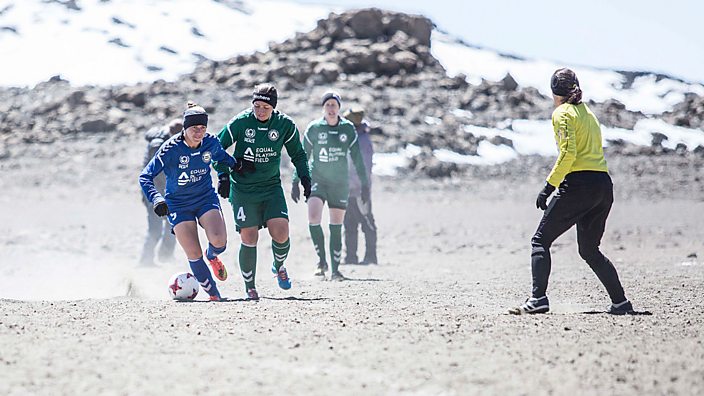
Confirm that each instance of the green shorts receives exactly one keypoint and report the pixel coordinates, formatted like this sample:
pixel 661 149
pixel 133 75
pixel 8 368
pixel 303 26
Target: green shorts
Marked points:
pixel 335 194
pixel 252 212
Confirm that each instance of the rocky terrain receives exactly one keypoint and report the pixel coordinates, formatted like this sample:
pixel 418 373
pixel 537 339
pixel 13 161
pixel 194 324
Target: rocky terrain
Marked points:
pixel 77 316
pixel 377 59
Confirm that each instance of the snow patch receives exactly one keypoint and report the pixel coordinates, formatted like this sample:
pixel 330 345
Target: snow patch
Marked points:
pixel 645 94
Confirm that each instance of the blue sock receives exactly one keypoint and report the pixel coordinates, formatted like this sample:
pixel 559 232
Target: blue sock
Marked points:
pixel 213 252
pixel 204 277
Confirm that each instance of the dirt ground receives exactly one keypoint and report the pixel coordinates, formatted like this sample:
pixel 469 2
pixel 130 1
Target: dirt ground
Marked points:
pixel 78 317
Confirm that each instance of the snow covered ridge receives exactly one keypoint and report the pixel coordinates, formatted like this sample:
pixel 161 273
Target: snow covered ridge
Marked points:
pixel 391 64
pixel 648 93
pixel 109 43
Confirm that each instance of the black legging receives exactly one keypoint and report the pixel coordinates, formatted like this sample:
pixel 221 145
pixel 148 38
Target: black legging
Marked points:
pixel 584 198
pixel 354 216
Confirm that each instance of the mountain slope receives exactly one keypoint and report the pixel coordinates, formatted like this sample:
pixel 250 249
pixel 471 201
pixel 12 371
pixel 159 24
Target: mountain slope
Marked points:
pixel 109 43
pixel 401 69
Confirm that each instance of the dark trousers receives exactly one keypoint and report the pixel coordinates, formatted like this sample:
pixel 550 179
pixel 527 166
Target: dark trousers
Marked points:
pixel 584 198
pixel 158 232
pixel 355 215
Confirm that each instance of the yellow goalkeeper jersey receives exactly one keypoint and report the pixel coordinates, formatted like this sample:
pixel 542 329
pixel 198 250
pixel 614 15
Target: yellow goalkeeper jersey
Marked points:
pixel 578 138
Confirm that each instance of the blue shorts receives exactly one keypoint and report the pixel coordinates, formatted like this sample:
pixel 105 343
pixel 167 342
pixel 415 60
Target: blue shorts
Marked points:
pixel 193 211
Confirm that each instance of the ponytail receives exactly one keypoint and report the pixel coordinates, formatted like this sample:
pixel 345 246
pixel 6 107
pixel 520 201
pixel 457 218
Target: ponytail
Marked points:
pixel 575 97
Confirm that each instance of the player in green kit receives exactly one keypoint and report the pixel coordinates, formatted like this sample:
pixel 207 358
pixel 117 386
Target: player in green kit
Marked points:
pixel 254 187
pixel 327 142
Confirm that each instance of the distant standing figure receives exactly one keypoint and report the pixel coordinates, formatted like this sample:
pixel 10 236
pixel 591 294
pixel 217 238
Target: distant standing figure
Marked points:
pixel 158 229
pixel 190 198
pixel 359 212
pixel 584 197
pixel 327 142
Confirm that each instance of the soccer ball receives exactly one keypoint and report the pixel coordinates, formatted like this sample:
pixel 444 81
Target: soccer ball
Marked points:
pixel 183 286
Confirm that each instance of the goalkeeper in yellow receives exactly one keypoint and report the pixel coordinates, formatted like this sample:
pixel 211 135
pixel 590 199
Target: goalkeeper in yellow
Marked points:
pixel 584 197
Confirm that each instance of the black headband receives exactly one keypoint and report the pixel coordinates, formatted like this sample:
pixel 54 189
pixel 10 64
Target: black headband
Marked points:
pixel 269 99
pixel 331 95
pixel 194 115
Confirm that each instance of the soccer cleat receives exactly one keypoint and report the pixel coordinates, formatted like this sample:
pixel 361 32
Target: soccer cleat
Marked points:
pixel 282 277
pixel 252 295
pixel 337 276
pixel 532 306
pixel 214 298
pixel 218 268
pixel 322 268
pixel 622 308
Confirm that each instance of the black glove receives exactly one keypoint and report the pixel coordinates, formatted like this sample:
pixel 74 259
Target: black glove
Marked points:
pixel 244 166
pixel 305 181
pixel 366 194
pixel 224 185
pixel 542 201
pixel 295 192
pixel 161 209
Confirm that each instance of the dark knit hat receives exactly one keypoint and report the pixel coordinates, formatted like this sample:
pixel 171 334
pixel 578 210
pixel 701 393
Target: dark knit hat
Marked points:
pixel 194 115
pixel 331 95
pixel 265 93
pixel 563 82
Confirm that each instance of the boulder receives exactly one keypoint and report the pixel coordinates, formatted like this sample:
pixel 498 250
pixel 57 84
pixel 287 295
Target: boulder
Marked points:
pixel 366 23
pixel 97 125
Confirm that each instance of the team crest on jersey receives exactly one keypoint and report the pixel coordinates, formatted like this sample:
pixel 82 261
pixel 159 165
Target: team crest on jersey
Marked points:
pixel 322 135
pixel 249 132
pixel 273 135
pixel 343 138
pixel 207 156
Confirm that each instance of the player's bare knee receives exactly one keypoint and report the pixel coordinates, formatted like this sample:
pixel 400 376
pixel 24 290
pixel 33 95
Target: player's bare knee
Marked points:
pixel 219 240
pixel 279 234
pixel 249 237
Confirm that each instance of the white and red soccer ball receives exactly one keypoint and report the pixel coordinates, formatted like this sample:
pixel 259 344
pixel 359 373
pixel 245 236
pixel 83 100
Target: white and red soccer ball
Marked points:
pixel 183 286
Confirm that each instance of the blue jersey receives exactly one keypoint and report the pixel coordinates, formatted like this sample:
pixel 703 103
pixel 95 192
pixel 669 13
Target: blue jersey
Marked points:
pixel 187 170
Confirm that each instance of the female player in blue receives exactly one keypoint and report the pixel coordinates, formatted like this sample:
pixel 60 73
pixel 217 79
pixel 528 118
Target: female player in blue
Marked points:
pixel 189 196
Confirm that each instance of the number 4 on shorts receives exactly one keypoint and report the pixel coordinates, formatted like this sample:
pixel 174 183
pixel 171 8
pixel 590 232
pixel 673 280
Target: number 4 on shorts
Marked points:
pixel 240 214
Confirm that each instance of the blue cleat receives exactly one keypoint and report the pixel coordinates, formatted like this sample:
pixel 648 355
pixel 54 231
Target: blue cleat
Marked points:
pixel 282 277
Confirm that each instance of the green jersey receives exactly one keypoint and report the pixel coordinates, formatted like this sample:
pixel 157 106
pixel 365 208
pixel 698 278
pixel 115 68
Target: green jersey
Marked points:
pixel 261 143
pixel 327 147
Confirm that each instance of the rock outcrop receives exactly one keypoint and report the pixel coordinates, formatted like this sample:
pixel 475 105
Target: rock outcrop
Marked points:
pixel 376 59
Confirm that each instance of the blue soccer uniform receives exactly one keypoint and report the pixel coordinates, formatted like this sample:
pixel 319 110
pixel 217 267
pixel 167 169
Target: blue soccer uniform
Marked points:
pixel 189 191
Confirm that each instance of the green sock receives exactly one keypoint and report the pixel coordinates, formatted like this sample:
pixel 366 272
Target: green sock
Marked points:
pixel 335 245
pixel 316 234
pixel 248 265
pixel 280 252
